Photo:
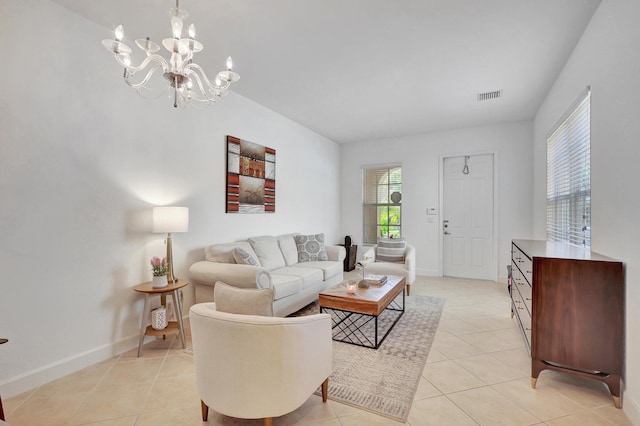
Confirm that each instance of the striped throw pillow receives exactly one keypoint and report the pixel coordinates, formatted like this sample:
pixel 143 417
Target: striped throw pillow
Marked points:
pixel 391 250
pixel 243 257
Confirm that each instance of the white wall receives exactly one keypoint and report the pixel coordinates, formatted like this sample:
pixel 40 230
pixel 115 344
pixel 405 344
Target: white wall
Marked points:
pixel 421 157
pixel 607 58
pixel 82 161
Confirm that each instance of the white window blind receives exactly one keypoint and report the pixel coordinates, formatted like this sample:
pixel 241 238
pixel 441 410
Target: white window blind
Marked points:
pixel 382 203
pixel 568 177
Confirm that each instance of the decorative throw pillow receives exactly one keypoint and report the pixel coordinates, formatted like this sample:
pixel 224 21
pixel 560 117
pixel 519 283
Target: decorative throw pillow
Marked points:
pixel 391 250
pixel 243 301
pixel 263 279
pixel 310 247
pixel 223 253
pixel 242 257
pixel 268 252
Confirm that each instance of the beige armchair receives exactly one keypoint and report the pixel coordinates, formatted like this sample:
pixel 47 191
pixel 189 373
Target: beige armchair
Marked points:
pixel 253 367
pixel 405 269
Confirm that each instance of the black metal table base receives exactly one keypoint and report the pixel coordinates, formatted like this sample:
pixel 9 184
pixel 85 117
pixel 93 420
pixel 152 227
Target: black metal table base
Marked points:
pixel 356 328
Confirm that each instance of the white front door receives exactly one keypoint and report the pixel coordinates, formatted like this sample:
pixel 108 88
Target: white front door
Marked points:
pixel 468 217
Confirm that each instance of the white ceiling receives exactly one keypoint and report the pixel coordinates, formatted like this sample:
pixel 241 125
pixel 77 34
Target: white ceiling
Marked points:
pixel 356 70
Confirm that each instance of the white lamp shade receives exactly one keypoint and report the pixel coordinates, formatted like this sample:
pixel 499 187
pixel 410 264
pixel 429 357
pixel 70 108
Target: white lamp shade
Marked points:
pixel 170 219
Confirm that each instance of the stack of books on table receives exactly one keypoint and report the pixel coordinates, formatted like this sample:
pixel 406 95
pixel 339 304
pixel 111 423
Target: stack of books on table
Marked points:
pixel 378 280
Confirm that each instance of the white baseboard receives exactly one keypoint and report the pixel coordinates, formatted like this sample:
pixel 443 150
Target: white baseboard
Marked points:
pixel 45 374
pixel 436 273
pixel 428 272
pixel 631 408
pixel 32 379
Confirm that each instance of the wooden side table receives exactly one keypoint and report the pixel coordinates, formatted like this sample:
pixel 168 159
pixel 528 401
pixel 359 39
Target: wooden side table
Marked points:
pixel 173 327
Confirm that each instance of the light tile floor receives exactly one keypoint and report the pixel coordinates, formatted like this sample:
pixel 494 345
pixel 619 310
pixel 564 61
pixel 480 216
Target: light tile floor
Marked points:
pixel 478 372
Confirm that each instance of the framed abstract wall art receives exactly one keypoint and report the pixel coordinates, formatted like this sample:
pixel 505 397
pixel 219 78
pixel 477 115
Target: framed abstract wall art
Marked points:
pixel 251 177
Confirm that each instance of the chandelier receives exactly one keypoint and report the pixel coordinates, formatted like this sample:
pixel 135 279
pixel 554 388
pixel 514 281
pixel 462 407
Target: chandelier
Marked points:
pixel 185 79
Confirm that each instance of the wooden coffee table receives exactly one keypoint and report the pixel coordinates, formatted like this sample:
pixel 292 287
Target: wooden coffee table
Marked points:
pixel 355 316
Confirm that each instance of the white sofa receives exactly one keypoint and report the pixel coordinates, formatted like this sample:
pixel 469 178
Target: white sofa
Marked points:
pixel 296 284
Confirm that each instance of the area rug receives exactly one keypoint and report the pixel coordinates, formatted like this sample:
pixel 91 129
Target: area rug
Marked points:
pixel 384 381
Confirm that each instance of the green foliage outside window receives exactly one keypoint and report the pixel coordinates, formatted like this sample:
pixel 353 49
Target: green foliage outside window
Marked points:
pixel 382 204
pixel 389 216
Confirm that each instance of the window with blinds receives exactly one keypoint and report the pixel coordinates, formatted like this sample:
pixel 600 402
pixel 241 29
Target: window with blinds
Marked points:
pixel 382 203
pixel 568 177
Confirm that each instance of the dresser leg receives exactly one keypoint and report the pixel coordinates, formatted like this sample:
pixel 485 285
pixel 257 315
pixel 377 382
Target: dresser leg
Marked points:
pixel 616 401
pixel 536 367
pixel 613 383
pixel 612 380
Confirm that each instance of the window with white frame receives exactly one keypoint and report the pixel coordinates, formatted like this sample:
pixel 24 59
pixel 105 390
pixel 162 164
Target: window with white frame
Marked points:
pixel 382 203
pixel 569 177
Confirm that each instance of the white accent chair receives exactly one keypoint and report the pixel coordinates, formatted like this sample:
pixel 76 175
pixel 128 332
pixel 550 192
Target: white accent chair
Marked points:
pixel 253 367
pixel 406 269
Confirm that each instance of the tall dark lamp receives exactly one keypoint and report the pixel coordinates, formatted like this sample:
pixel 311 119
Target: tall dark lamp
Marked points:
pixel 168 220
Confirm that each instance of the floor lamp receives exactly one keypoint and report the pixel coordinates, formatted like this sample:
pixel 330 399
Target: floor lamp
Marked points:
pixel 168 220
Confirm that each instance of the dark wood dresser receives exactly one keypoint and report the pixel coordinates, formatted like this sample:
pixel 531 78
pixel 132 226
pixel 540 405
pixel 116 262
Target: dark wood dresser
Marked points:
pixel 569 303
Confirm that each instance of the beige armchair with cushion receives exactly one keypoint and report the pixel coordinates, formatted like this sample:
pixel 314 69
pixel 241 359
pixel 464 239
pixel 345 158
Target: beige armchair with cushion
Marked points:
pixel 391 257
pixel 252 367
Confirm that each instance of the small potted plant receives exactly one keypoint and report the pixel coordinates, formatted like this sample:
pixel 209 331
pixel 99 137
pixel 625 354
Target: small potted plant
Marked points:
pixel 159 268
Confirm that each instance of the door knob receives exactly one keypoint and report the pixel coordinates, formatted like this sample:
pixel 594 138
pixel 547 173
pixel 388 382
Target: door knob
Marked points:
pixel 445 225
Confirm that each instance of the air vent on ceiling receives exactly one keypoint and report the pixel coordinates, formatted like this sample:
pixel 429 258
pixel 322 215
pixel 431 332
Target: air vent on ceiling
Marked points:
pixel 487 96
